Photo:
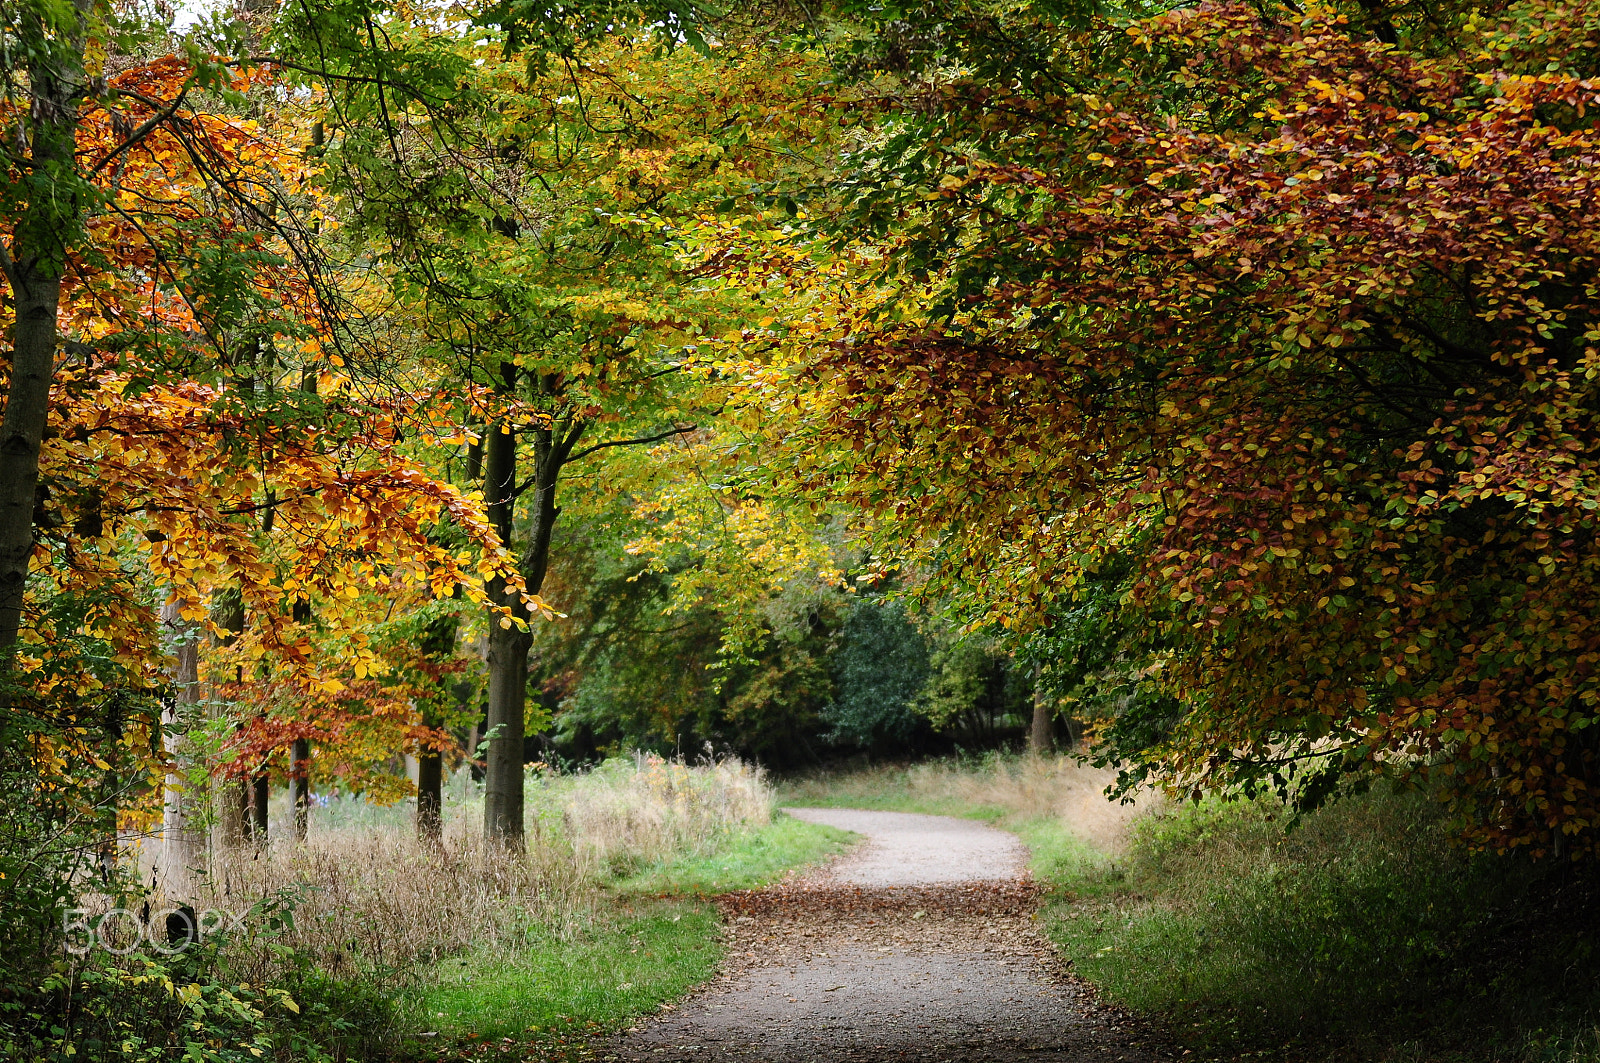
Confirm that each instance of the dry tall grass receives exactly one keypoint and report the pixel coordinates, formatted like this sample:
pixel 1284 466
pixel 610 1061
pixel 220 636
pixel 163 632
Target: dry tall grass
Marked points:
pixel 367 896
pixel 628 814
pixel 1016 788
pixel 379 901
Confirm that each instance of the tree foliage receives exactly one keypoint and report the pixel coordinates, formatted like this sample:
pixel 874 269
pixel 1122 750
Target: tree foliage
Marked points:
pixel 1292 307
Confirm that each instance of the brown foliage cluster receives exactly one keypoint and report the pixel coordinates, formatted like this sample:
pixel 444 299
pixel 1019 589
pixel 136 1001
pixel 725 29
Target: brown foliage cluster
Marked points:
pixel 1306 323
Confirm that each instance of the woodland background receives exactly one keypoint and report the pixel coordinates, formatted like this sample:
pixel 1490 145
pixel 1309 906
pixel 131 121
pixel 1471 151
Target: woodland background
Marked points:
pixel 406 391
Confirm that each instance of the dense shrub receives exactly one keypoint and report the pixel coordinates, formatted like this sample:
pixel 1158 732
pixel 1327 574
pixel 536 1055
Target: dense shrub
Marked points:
pixel 1362 924
pixel 144 1008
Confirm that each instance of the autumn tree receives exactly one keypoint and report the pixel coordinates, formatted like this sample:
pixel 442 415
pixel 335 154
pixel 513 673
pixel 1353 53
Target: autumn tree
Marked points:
pixel 1290 315
pixel 165 477
pixel 527 213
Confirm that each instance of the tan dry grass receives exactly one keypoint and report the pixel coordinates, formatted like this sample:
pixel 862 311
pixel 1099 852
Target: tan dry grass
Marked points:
pixel 381 900
pixel 1015 788
pixel 374 899
pixel 629 814
pixel 1042 788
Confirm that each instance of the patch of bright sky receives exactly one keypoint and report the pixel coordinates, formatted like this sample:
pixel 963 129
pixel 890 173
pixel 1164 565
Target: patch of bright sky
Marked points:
pixel 193 11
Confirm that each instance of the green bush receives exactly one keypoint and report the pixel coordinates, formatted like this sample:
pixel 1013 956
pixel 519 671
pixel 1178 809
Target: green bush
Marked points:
pixel 224 999
pixel 141 1009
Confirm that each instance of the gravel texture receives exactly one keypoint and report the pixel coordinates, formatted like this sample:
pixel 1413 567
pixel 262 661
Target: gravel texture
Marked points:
pixel 919 944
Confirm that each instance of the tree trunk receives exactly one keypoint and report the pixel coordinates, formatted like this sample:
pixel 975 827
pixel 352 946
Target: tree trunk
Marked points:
pixel 233 806
pixel 233 814
pixel 260 794
pixel 508 647
pixel 300 749
pixel 508 660
pixel 34 266
pixel 430 796
pixel 1041 737
pixel 508 656
pixel 551 448
pixel 437 644
pixel 300 786
pixel 183 840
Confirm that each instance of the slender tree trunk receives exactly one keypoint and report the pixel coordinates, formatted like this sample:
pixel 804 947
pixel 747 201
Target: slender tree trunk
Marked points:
pixel 233 805
pixel 183 840
pixel 300 786
pixel 437 644
pixel 1041 737
pixel 300 749
pixel 260 794
pixel 34 265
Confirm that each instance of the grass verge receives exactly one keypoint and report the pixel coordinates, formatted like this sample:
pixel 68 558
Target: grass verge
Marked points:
pixel 754 859
pixel 628 962
pixel 1359 932
pixel 657 939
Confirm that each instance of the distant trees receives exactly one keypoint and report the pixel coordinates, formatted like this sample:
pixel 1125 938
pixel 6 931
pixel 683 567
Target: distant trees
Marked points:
pixel 880 666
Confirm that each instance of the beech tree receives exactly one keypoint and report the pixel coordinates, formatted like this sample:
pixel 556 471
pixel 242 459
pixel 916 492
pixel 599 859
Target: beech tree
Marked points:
pixel 1290 310
pixel 163 477
pixel 527 215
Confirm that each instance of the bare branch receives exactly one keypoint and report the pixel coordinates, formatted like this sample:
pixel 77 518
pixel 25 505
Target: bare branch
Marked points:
pixel 680 430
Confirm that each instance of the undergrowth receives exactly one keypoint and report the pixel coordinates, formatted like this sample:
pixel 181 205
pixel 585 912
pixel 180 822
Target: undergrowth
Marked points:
pixel 1361 931
pixel 359 942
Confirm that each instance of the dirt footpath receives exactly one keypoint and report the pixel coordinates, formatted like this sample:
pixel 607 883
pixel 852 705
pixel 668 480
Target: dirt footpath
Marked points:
pixel 917 945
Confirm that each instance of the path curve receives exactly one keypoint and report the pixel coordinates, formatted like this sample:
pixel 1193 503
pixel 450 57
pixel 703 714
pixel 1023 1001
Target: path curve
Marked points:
pixel 919 944
pixel 903 849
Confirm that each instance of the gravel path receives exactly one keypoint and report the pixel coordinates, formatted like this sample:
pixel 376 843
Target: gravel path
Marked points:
pixel 907 850
pixel 919 944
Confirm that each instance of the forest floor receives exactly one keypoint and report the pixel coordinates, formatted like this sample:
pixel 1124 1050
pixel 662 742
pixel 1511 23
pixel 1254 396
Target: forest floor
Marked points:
pixel 920 944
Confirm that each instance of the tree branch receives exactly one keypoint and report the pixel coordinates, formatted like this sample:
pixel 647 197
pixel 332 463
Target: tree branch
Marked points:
pixel 10 269
pixel 144 129
pixel 680 430
pixel 352 79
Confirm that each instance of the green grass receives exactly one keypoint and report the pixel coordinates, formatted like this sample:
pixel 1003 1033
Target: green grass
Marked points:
pixel 752 860
pixel 629 962
pixel 1360 932
pixel 656 939
pixel 1058 858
